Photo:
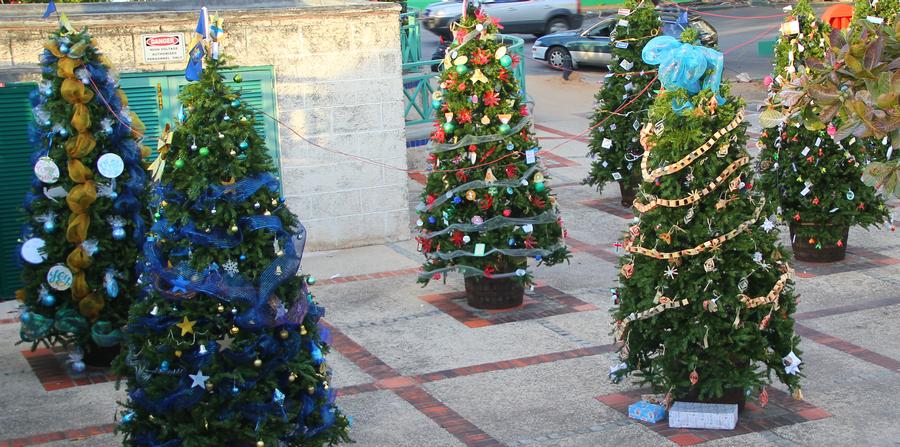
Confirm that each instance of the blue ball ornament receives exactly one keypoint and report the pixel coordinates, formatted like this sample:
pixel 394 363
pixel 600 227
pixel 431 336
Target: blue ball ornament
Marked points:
pixel 457 200
pixel 243 257
pixel 510 146
pixel 235 103
pixel 48 300
pixel 436 103
pixel 504 128
pixel 63 132
pixel 170 230
pixel 235 390
pixel 431 219
pixel 49 226
pixel 538 258
pixel 449 127
pixel 128 417
pixel 310 280
pixel 78 366
pixel 511 242
pixel 506 61
pixel 113 195
pixel 164 366
pixel 509 190
pixel 25 317
pixel 118 233
pixel 63 48
pixel 244 145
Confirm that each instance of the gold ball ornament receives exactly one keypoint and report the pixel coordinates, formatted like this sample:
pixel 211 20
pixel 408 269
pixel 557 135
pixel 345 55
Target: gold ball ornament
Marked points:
pixel 260 444
pixel 209 386
pixel 284 334
pixel 220 308
pixel 234 228
pixel 178 353
pixel 292 377
pixel 311 390
pixel 257 363
pixel 234 330
pixel 302 330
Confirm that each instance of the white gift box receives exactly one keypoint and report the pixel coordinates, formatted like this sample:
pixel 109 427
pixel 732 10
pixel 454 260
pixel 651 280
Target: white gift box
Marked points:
pixel 699 415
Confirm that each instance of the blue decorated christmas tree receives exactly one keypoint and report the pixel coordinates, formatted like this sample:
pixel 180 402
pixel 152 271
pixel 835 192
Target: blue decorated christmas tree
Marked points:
pixel 85 208
pixel 226 349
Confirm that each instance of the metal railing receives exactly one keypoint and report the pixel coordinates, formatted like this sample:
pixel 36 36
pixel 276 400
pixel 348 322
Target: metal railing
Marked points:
pixel 410 39
pixel 419 82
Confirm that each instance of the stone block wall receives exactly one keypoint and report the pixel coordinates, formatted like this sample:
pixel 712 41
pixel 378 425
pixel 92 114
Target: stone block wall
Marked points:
pixel 338 81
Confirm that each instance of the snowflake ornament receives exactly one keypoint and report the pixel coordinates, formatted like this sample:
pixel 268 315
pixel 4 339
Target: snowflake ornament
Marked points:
pixel 231 267
pixel 768 225
pixel 671 272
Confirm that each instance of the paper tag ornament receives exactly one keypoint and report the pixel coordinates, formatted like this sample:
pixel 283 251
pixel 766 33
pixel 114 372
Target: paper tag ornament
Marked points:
pixel 606 144
pixel 59 277
pixel 46 170
pixel 623 22
pixel 479 250
pixel 529 156
pixel 33 251
pixel 875 20
pixel 621 44
pixel 626 64
pixel 110 165
pixel 790 28
pixel 625 12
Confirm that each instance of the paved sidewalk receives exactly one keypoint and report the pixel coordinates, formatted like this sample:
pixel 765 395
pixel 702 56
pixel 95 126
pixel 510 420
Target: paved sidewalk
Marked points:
pixel 417 367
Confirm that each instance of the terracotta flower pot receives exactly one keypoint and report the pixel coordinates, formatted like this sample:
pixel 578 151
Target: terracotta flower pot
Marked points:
pixel 498 293
pixel 804 251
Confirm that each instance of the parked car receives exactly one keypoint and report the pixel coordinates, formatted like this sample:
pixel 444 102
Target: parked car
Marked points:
pixel 538 17
pixel 591 46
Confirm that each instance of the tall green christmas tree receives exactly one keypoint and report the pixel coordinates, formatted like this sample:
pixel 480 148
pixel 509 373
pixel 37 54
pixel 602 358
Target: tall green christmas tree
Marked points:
pixel 705 299
pixel 487 207
pixel 614 145
pixel 226 349
pixel 877 10
pixel 811 179
pixel 85 224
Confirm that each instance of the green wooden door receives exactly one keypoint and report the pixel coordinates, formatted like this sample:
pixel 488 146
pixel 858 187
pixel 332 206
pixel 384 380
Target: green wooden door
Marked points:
pixel 16 171
pixel 154 98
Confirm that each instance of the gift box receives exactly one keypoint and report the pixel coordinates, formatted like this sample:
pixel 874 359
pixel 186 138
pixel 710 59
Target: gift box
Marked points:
pixel 647 412
pixel 698 415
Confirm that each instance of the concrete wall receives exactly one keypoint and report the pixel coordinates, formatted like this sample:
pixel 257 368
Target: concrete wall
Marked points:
pixel 338 79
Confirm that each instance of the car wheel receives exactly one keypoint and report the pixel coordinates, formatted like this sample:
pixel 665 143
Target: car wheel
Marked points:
pixel 557 56
pixel 556 25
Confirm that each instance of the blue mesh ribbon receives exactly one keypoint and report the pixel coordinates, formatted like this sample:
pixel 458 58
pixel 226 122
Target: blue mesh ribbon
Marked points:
pixel 685 66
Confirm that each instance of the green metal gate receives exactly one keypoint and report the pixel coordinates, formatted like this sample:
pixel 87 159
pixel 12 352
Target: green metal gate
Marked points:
pixel 16 171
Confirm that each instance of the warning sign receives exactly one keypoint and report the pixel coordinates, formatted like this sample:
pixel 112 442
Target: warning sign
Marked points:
pixel 167 47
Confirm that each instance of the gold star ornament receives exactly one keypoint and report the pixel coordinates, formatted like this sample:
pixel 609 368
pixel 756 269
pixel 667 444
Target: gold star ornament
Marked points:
pixel 187 326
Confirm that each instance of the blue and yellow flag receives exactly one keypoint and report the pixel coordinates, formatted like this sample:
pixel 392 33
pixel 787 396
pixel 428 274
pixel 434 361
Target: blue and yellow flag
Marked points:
pixel 198 52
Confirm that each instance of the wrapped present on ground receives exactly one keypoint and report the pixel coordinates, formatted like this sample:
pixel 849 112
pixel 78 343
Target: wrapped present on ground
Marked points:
pixel 647 412
pixel 699 415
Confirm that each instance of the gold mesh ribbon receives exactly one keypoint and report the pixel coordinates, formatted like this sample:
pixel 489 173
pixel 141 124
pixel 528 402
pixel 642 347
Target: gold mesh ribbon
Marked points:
pixel 84 193
pixel 650 176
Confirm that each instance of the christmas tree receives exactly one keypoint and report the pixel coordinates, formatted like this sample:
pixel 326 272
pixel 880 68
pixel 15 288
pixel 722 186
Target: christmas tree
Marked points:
pixel 85 225
pixel 878 11
pixel 487 206
pixel 812 179
pixel 614 144
pixel 226 349
pixel 706 295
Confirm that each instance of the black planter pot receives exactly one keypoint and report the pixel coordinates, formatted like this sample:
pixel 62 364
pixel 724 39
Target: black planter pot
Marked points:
pixel 629 192
pixel 804 251
pixel 100 356
pixel 499 293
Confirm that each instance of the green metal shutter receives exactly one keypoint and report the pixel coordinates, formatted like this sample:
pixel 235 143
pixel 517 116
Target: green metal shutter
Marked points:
pixel 154 97
pixel 146 98
pixel 16 171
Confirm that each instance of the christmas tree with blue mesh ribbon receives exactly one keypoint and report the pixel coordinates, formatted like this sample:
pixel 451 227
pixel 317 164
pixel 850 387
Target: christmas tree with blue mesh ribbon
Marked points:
pixel 227 348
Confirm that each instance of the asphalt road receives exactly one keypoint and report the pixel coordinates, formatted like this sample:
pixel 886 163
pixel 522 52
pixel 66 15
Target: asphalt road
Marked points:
pixel 735 31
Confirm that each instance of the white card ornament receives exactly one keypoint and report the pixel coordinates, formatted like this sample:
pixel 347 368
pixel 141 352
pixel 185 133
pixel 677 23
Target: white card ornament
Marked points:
pixel 530 156
pixel 612 126
pixel 623 22
pixel 110 165
pixel 875 20
pixel 606 143
pixel 791 363
pixel 818 141
pixel 790 28
pixel 479 249
pixel 624 12
pixel 805 151
pixel 59 277
pixel 626 64
pixel 629 87
pixel 621 44
pixel 616 176
pixel 33 251
pixel 46 170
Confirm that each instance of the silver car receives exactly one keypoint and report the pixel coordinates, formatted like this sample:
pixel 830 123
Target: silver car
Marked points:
pixel 538 17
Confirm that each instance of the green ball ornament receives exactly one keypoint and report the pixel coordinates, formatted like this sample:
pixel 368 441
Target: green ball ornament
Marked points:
pixel 310 280
pixel 506 61
pixel 238 78
pixel 235 103
pixel 436 103
pixel 179 163
pixel 504 128
pixel 204 151
pixel 539 187
pixel 449 127
pixel 462 69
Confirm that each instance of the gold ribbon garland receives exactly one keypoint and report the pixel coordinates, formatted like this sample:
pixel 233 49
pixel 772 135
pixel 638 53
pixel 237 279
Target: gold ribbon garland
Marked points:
pixel 712 243
pixel 695 196
pixel 650 176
